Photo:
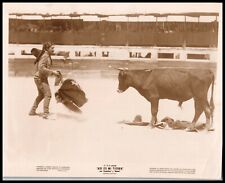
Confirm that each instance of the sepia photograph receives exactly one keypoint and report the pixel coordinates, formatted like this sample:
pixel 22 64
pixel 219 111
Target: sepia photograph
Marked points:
pixel 112 91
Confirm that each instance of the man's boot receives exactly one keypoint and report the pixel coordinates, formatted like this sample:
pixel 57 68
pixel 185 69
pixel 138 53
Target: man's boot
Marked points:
pixel 45 115
pixel 32 112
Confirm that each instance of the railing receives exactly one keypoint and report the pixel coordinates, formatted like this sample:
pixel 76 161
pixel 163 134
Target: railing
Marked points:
pixel 131 53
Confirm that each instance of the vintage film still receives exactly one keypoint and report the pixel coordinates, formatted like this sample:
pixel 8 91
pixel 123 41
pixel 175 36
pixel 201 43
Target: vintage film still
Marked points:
pixel 112 91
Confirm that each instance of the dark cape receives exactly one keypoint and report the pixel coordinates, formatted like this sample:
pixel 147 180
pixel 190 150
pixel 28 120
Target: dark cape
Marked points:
pixel 71 95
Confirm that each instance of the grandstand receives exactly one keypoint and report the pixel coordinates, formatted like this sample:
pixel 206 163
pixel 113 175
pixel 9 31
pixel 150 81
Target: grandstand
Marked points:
pixel 161 30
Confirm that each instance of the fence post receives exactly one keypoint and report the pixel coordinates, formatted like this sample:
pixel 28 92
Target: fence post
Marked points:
pixel 154 55
pixel 183 55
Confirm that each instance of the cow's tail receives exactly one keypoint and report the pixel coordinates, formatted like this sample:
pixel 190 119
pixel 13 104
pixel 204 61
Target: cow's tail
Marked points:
pixel 212 106
pixel 180 104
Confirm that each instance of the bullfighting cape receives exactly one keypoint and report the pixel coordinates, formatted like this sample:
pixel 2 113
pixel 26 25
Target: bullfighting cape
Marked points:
pixel 71 95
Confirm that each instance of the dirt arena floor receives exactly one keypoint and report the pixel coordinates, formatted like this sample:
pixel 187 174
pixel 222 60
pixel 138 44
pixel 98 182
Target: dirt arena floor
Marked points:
pixel 96 138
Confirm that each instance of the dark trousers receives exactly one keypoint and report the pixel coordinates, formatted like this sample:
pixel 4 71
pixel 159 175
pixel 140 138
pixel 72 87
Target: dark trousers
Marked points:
pixel 44 92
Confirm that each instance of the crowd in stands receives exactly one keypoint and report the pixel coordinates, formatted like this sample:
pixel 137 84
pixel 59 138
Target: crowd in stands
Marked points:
pixel 107 26
pixel 79 32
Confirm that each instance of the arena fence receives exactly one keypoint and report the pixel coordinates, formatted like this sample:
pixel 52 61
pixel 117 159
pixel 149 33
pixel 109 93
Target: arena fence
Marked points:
pixel 130 53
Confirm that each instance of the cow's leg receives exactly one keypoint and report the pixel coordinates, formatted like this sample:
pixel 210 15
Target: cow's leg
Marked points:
pixel 208 115
pixel 198 112
pixel 154 111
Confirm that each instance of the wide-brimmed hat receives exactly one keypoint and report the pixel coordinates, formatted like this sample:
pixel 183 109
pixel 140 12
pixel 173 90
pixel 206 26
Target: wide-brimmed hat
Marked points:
pixel 137 119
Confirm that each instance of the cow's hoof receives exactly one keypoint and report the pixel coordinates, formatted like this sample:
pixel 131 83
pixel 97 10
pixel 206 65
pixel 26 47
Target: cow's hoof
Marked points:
pixel 152 126
pixel 211 129
pixel 191 130
pixel 160 125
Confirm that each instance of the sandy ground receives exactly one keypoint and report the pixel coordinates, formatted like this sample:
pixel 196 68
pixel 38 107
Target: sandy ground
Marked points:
pixel 96 138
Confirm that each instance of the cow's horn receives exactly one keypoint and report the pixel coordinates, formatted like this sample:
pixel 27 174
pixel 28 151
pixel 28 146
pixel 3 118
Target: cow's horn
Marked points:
pixel 147 70
pixel 120 69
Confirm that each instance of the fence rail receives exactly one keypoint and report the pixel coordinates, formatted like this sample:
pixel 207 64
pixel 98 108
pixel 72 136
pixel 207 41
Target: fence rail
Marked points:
pixel 131 53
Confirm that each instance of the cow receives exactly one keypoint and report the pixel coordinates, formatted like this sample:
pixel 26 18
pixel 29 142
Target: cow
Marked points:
pixel 177 84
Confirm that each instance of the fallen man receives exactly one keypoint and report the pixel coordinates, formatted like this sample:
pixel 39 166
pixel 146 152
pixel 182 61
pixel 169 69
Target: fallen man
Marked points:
pixel 181 125
pixel 166 122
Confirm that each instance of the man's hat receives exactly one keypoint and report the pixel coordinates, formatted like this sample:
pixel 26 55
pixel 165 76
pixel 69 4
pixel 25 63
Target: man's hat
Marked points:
pixel 137 119
pixel 47 45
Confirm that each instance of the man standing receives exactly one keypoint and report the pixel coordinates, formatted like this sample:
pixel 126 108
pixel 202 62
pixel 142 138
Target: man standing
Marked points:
pixel 42 67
